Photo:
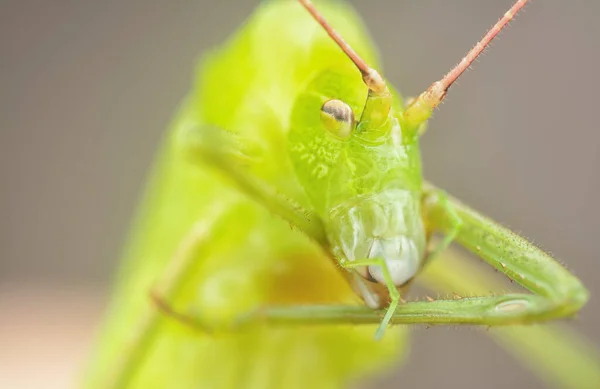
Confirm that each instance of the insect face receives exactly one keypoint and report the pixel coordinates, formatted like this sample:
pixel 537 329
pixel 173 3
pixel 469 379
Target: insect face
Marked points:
pixel 363 177
pixel 380 218
pixel 365 180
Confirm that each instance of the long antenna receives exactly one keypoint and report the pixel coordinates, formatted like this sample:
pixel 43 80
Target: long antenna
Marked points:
pixel 370 76
pixel 422 107
pixel 453 74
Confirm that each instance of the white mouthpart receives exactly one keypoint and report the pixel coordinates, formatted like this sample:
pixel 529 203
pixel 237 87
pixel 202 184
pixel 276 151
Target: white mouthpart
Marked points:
pixel 401 257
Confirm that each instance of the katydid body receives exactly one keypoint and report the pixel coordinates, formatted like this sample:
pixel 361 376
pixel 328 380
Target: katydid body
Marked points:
pixel 322 144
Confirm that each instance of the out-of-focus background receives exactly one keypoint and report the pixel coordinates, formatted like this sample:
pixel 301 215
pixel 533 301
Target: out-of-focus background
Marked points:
pixel 87 88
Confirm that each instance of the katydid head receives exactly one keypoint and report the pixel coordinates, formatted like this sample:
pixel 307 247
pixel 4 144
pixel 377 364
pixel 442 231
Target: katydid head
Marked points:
pixel 361 176
pixel 355 151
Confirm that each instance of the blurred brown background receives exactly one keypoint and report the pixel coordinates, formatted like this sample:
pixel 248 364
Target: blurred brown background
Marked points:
pixel 87 87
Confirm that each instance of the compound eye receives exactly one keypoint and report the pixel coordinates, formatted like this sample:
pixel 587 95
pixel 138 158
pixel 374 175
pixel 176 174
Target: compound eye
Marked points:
pixel 338 118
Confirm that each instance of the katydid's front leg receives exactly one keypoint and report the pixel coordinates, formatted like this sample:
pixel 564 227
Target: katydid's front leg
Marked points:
pixel 556 353
pixel 557 292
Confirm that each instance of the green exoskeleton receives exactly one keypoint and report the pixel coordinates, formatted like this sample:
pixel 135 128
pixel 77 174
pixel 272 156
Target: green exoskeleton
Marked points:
pixel 290 159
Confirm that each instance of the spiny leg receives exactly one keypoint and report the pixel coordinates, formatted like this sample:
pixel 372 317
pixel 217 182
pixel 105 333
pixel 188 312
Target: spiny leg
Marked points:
pixel 557 293
pixel 556 353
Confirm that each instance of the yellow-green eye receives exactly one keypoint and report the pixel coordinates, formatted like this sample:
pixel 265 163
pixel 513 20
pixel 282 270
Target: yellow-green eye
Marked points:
pixel 338 118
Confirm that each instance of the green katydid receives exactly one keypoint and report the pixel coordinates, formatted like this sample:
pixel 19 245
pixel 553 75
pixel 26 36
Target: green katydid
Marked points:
pixel 300 133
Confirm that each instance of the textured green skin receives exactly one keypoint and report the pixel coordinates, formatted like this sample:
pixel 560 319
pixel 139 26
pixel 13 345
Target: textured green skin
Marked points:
pixel 254 258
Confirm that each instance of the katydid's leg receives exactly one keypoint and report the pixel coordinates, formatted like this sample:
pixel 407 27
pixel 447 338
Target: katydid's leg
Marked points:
pixel 393 291
pixel 557 293
pixel 212 148
pixel 556 353
pixel 454 221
